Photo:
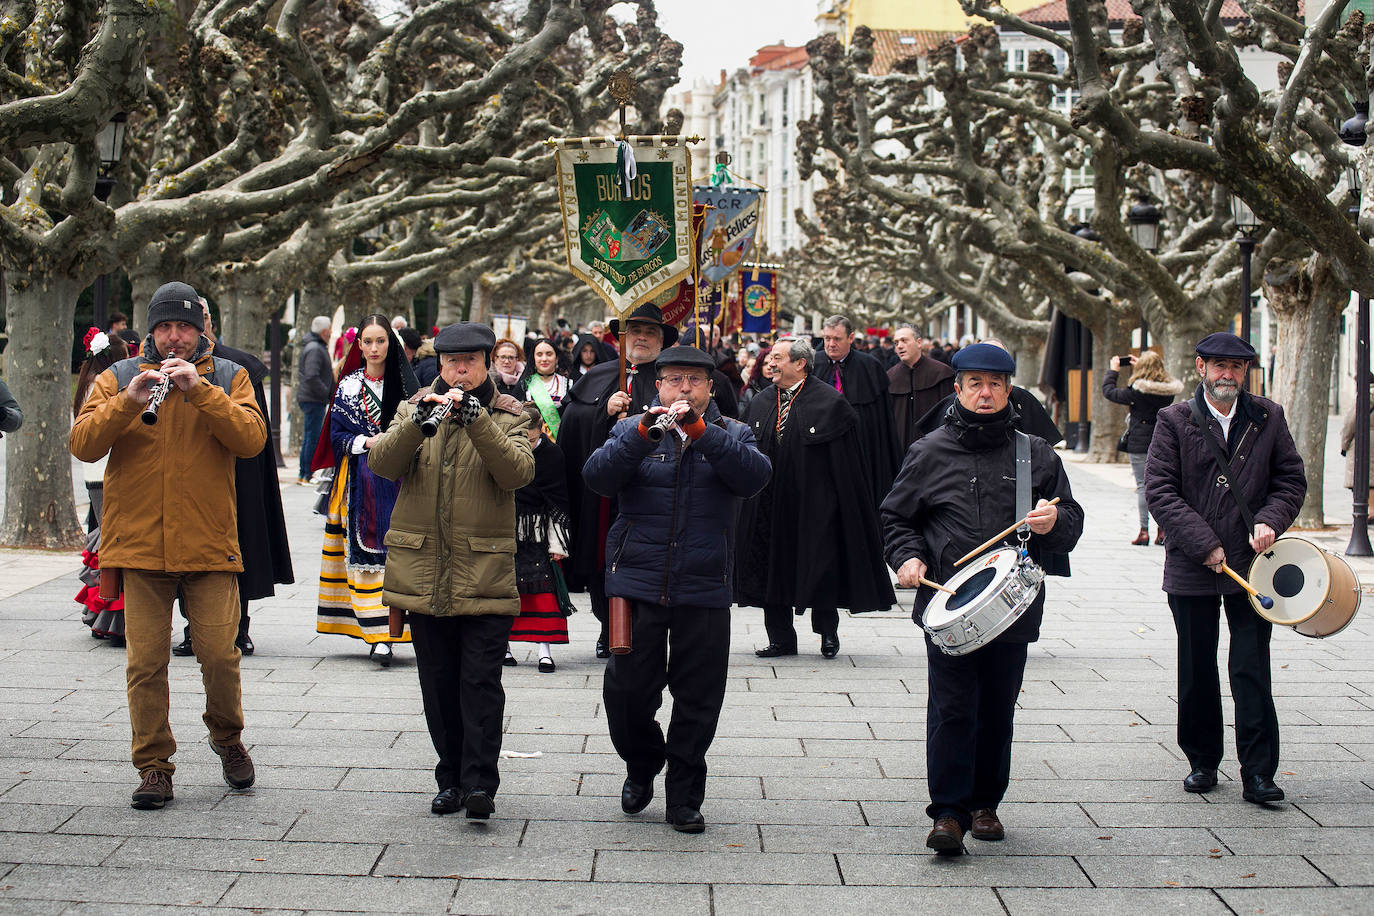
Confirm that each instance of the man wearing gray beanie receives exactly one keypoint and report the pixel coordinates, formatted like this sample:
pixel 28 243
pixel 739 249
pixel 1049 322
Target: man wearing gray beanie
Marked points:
pixel 169 522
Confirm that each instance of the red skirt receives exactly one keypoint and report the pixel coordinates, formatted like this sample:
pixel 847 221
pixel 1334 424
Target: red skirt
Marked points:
pixel 540 620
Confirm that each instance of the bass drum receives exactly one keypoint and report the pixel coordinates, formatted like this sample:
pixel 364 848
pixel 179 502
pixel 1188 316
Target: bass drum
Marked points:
pixel 990 593
pixel 1315 591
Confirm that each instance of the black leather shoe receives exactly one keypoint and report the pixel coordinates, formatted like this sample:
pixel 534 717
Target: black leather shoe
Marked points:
pixel 946 837
pixel 509 661
pixel 479 805
pixel 183 648
pixel 685 819
pixel 245 643
pixel 830 646
pixel 601 649
pixel 635 796
pixel 1261 790
pixel 1200 780
pixel 546 665
pixel 448 801
pixel 773 650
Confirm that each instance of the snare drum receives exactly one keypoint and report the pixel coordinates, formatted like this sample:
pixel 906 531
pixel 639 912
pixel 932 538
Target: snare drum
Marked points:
pixel 1315 592
pixel 990 593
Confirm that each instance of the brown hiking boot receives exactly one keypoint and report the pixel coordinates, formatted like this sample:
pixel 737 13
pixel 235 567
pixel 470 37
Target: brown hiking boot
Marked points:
pixel 154 791
pixel 238 766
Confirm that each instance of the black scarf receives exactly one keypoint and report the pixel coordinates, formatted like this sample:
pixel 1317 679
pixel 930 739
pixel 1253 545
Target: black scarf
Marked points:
pixel 982 431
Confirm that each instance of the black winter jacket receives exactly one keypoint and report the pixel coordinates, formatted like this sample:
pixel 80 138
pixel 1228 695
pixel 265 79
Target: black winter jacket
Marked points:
pixel 673 541
pixel 1189 497
pixel 1146 399
pixel 316 374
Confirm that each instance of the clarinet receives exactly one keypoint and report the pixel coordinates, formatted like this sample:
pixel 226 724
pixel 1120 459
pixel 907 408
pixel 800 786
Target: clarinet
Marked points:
pixel 430 424
pixel 160 391
pixel 661 426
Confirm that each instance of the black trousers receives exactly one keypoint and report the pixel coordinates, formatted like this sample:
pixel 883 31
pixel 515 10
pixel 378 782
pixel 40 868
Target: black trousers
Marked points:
pixel 459 663
pixel 601 605
pixel 1200 735
pixel 686 649
pixel 969 713
pixel 777 620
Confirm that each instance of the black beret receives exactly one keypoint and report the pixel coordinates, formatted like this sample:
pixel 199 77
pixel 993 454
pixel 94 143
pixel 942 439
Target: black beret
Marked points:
pixel 465 337
pixel 1223 345
pixel 685 356
pixel 983 357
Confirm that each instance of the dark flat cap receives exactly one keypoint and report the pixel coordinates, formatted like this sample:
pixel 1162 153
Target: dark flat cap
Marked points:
pixel 652 314
pixel 685 356
pixel 983 357
pixel 465 337
pixel 1223 345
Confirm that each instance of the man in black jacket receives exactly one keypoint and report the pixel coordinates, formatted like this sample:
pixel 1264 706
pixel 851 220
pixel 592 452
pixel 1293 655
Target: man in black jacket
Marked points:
pixel 863 382
pixel 957 489
pixel 1199 504
pixel 314 389
pixel 811 539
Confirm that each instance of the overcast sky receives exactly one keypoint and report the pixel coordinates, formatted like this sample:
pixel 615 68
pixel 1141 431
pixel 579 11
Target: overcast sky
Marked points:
pixel 726 33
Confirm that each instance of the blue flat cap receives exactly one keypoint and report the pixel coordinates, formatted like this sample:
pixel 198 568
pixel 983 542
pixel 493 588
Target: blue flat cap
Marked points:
pixel 982 357
pixel 685 355
pixel 465 337
pixel 1223 345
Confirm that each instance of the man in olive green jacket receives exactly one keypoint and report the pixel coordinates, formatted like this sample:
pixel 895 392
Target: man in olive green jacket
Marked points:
pixel 451 556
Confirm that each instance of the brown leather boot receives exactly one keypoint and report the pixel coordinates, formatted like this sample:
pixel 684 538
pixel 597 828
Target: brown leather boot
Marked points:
pixel 946 837
pixel 1142 539
pixel 986 826
pixel 1159 537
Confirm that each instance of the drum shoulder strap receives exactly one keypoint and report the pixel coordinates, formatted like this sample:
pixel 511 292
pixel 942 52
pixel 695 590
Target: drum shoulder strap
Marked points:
pixel 1023 475
pixel 1224 470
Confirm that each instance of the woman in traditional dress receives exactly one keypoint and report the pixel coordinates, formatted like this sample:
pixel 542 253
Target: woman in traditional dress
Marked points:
pixel 541 536
pixel 545 385
pixel 508 365
pixel 104 617
pixel 373 380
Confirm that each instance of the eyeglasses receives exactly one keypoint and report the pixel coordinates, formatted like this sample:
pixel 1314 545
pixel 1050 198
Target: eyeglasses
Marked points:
pixel 696 381
pixel 507 357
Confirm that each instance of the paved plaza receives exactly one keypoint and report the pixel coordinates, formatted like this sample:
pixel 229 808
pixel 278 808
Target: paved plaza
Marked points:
pixel 815 800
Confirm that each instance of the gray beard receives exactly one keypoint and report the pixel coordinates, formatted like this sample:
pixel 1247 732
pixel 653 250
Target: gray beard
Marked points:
pixel 1221 395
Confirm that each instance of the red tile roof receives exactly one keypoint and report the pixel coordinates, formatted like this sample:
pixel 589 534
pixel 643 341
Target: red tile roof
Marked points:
pixel 778 57
pixel 891 45
pixel 1055 13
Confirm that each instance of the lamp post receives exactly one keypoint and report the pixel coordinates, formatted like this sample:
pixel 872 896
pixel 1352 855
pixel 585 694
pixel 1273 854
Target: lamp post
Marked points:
pixel 1353 134
pixel 109 145
pixel 1143 219
pixel 1247 224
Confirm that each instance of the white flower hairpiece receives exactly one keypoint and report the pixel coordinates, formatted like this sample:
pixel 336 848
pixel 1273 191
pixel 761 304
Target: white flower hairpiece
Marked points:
pixel 99 343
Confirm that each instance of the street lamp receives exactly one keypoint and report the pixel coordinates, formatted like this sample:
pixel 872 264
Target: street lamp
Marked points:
pixel 1247 224
pixel 109 145
pixel 1085 349
pixel 1143 220
pixel 1353 134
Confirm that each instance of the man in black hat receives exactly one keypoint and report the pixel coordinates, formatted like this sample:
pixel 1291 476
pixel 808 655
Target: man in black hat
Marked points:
pixel 811 539
pixel 450 560
pixel 957 489
pixel 593 405
pixel 679 486
pixel 1215 515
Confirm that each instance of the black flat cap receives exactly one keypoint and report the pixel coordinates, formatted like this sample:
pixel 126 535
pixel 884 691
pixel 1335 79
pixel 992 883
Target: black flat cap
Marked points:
pixel 685 356
pixel 465 337
pixel 652 314
pixel 1223 345
pixel 983 357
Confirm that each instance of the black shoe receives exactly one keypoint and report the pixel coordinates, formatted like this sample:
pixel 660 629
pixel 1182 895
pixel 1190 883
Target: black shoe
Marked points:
pixel 381 654
pixel 601 649
pixel 635 796
pixel 1260 790
pixel 183 648
pixel 830 646
pixel 479 805
pixel 546 665
pixel 1200 780
pixel 509 661
pixel 117 642
pixel 447 801
pixel 773 650
pixel 685 819
pixel 244 643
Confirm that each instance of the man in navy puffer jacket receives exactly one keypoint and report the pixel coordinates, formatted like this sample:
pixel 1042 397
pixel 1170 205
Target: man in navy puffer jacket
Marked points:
pixel 670 554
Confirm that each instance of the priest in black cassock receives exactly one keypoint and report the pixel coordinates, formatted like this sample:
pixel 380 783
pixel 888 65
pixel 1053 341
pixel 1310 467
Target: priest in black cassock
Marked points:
pixel 811 538
pixel 863 382
pixel 1034 419
pixel 916 383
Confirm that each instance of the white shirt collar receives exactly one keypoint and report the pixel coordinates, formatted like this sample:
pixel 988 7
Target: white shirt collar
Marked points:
pixel 1223 418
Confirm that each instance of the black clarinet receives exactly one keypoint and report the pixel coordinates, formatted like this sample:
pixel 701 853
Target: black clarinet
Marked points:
pixel 430 424
pixel 160 391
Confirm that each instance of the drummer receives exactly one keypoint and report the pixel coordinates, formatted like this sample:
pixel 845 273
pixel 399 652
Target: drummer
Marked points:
pixel 1206 527
pixel 956 490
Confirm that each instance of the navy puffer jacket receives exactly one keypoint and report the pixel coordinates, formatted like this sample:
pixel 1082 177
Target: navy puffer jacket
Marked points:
pixel 673 542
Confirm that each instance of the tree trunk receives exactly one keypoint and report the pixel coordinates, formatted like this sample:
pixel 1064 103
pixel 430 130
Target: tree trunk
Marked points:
pixel 1308 300
pixel 40 510
pixel 1111 337
pixel 1179 343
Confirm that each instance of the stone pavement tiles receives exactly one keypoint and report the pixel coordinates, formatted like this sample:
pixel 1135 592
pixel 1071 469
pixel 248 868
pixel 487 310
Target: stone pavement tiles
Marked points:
pixel 816 796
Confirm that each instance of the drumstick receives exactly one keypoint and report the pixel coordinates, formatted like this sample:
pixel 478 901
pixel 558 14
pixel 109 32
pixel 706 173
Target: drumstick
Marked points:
pixel 997 537
pixel 935 585
pixel 1265 601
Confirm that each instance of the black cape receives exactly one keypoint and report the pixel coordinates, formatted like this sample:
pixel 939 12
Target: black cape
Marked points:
pixel 866 388
pixel 811 537
pixel 1033 419
pixel 914 391
pixel 262 525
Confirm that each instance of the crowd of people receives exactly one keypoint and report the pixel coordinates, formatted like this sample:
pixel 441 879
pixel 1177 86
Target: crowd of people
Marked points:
pixel 469 483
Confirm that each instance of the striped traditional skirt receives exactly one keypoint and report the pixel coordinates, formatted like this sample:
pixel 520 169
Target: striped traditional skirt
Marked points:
pixel 350 596
pixel 540 620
